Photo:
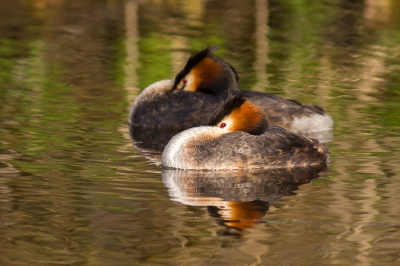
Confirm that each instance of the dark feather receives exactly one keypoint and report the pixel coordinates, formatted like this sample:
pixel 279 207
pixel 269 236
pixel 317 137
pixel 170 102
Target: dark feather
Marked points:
pixel 261 127
pixel 234 72
pixel 276 148
pixel 233 101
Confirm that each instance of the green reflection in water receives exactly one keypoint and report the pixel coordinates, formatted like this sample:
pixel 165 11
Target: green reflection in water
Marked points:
pixel 155 60
pixel 76 191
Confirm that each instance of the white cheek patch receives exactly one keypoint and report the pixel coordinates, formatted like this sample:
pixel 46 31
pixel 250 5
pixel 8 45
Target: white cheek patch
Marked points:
pixel 191 82
pixel 229 124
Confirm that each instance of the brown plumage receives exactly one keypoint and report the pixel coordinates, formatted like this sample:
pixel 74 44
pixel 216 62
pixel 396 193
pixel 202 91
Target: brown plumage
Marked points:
pixel 204 73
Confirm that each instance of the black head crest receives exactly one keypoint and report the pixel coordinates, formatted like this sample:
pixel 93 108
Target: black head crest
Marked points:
pixel 251 118
pixel 231 102
pixel 192 62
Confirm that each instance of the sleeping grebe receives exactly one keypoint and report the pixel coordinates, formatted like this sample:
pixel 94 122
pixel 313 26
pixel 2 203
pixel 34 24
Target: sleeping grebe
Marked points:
pixel 240 136
pixel 166 107
pixel 189 100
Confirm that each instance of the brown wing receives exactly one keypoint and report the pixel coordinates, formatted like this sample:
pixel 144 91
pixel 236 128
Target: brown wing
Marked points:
pixel 179 110
pixel 281 111
pixel 275 148
pixel 156 121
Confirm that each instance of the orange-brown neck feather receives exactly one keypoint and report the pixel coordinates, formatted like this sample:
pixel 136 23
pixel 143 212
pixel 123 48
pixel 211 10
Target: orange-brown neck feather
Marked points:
pixel 206 72
pixel 249 118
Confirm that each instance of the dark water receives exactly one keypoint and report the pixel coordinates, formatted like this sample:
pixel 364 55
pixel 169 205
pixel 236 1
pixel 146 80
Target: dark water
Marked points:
pixel 74 190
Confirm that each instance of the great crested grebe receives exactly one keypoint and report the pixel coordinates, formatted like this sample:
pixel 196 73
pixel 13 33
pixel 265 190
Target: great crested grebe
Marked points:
pixel 190 99
pixel 166 106
pixel 240 136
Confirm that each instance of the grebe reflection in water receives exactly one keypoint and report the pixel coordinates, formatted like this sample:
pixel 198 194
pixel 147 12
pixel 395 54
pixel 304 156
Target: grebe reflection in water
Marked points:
pixel 237 200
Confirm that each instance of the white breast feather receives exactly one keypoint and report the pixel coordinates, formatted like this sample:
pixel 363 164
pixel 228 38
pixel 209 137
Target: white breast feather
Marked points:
pixel 176 153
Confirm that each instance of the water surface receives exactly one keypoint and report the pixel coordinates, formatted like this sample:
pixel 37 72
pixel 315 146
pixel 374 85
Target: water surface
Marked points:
pixel 75 190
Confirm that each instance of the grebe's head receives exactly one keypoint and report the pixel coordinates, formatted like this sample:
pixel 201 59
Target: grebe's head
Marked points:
pixel 236 113
pixel 206 73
